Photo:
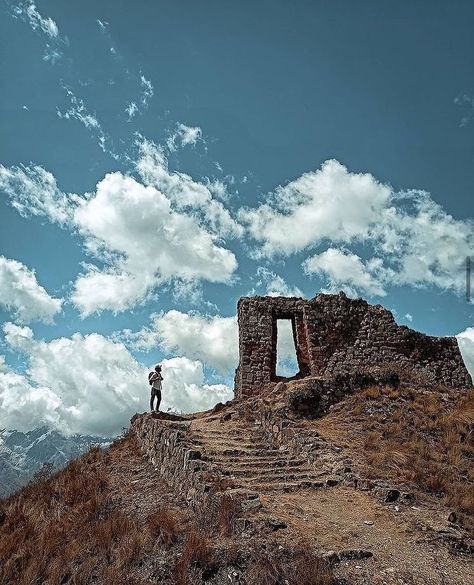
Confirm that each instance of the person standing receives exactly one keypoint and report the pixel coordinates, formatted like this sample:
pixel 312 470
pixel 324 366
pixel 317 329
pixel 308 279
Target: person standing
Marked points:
pixel 154 379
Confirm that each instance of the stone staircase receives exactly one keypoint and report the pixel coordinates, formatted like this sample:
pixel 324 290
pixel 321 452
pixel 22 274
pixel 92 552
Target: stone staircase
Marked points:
pixel 244 456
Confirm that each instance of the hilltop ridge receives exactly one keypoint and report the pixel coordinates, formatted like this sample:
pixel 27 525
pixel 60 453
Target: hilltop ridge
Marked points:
pixel 358 471
pixel 260 490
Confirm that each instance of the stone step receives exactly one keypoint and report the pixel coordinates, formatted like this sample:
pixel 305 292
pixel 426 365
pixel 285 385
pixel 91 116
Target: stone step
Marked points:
pixel 225 443
pixel 287 486
pixel 276 478
pixel 224 451
pixel 244 457
pixel 282 472
pixel 245 464
pixel 244 432
pixel 231 443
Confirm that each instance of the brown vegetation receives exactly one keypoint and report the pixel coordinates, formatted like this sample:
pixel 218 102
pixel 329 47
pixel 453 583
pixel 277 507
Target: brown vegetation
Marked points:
pixel 196 553
pixel 163 526
pixel 424 437
pixel 63 528
pixel 75 528
pixel 297 566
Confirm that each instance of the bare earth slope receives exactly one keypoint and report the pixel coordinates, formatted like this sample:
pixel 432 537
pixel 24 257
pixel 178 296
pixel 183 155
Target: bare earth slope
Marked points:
pixel 319 480
pixel 253 492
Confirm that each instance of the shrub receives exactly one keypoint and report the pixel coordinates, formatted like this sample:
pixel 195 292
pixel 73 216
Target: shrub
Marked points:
pixel 163 525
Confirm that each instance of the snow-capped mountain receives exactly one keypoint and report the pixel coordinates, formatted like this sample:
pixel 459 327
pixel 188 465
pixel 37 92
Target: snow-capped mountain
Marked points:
pixel 22 454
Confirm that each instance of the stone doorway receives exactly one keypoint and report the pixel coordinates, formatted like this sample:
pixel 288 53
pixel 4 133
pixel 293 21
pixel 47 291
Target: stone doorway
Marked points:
pixel 297 328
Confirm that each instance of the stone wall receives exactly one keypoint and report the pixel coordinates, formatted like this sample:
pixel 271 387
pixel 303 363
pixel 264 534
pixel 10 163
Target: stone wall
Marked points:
pixel 337 335
pixel 167 445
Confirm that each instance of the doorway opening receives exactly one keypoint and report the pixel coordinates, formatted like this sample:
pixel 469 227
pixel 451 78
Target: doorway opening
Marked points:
pixel 286 359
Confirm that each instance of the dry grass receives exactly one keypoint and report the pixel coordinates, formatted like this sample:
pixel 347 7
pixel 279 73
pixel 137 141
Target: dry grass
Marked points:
pixel 196 554
pixel 65 528
pixel 163 525
pixel 297 566
pixel 420 436
pixel 44 532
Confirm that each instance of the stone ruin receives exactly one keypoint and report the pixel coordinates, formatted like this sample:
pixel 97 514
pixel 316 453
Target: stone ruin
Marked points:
pixel 334 336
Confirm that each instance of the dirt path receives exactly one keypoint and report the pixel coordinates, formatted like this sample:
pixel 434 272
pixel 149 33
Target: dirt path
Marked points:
pixel 404 543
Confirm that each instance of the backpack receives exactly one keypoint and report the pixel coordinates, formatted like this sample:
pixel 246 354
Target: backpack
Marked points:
pixel 150 378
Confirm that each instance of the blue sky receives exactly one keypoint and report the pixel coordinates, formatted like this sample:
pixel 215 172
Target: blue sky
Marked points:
pixel 160 160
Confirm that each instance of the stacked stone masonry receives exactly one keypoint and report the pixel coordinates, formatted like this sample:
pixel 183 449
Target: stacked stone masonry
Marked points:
pixel 167 445
pixel 337 335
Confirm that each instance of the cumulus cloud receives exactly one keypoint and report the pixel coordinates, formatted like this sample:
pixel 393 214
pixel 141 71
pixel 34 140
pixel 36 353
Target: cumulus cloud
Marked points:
pixel 23 406
pixel 213 340
pixel 275 285
pixel 330 203
pixel 140 234
pixel 184 192
pixel 346 271
pixel 287 364
pixel 183 136
pixel 466 346
pixel 184 388
pixel 417 241
pixel 152 242
pixel 21 294
pixel 92 385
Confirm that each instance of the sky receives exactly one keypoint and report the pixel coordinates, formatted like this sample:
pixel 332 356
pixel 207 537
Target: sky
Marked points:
pixel 159 160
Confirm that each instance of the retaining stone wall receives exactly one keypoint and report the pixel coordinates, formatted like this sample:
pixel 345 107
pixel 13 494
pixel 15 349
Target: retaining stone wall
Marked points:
pixel 176 459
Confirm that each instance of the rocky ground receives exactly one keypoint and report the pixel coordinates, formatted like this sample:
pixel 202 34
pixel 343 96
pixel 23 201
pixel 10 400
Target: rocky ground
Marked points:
pixel 286 499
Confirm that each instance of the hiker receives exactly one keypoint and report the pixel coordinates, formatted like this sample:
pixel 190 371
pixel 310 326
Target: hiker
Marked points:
pixel 154 379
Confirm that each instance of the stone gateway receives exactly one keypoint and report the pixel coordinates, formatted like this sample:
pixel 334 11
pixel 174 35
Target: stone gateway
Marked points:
pixel 337 335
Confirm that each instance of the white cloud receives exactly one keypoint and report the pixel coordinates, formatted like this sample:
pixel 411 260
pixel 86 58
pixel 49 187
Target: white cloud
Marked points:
pixel 346 271
pixel 147 90
pixel 425 245
pixel 287 364
pixel 467 103
pixel 184 388
pixel 409 317
pixel 131 109
pixel 329 203
pixel 135 230
pixel 21 293
pixel 102 24
pixel 92 385
pixel 420 244
pixel 184 192
pixel 79 111
pixel 183 136
pixel 45 27
pixel 28 12
pixel 213 340
pixel 33 191
pixel 466 346
pixel 275 285
pixel 151 243
pixel 24 407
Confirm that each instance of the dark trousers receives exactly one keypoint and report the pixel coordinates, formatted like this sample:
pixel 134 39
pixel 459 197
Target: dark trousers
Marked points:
pixel 155 394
